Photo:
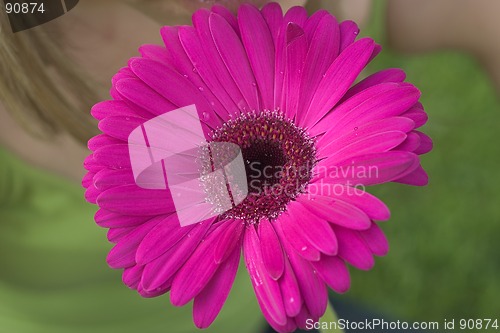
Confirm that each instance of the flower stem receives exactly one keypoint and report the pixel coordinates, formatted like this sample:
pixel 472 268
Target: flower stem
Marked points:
pixel 329 321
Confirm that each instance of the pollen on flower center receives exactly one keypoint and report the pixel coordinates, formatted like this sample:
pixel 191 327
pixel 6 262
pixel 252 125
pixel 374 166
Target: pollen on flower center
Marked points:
pixel 278 156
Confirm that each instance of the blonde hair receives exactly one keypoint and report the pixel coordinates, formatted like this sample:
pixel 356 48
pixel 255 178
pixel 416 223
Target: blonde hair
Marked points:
pixel 36 77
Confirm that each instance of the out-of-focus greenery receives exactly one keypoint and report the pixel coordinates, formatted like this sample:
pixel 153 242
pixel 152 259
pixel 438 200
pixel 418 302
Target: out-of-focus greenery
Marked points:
pixel 444 260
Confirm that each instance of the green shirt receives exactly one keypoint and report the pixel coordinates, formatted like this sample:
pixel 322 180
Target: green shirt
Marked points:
pixel 53 273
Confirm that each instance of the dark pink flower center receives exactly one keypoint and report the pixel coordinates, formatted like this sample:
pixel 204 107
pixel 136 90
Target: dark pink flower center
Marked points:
pixel 278 156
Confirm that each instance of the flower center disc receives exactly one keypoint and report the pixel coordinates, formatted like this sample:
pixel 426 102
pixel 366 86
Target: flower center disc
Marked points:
pixel 278 156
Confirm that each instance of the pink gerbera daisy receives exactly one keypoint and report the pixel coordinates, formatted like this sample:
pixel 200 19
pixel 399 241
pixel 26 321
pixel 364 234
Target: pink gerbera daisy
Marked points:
pixel 282 88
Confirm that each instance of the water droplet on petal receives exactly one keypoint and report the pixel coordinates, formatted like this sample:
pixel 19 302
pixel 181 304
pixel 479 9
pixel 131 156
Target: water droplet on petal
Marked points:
pixel 304 248
pixel 195 70
pixel 200 88
pixel 356 32
pixel 356 128
pixel 206 116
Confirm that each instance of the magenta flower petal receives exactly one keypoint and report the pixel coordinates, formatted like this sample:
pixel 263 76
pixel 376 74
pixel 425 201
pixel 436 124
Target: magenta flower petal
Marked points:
pixel 91 194
pixel 273 15
pixel 272 254
pixel 296 14
pixel 116 234
pixel 331 140
pixel 179 60
pixel 348 33
pixel 197 271
pixel 165 288
pixel 311 286
pixel 228 240
pixel 418 115
pixel 172 86
pixel 389 166
pixel 337 212
pixel 371 102
pixel 376 240
pixel 115 156
pixel 220 71
pixel 208 303
pixel 154 52
pixel 292 298
pixel 164 267
pixel 228 16
pixel 133 200
pixel 297 238
pixel 123 254
pixel 281 89
pixel 111 108
pixel 101 140
pixel 337 79
pixel 132 276
pixel 194 50
pixel 160 239
pixel 140 94
pixel 259 47
pixel 334 272
pixel 418 177
pixel 425 144
pixel 266 289
pixel 296 52
pixel 386 75
pixel 302 318
pixel 313 21
pixel 233 54
pixel 107 219
pixel 323 49
pixel 370 205
pixel 411 143
pixel 353 249
pixel 315 229
pixel 376 143
pixel 110 178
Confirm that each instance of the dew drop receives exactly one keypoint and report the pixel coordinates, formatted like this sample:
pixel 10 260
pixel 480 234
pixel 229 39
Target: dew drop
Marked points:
pixel 304 248
pixel 206 116
pixel 201 89
pixel 356 128
pixel 195 70
pixel 185 75
pixel 356 32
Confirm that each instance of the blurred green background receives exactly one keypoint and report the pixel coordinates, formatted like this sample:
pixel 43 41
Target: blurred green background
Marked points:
pixel 444 260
